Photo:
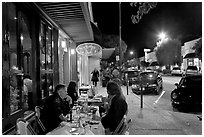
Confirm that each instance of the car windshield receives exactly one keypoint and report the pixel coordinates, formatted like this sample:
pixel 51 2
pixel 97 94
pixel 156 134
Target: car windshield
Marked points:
pixel 132 73
pixel 192 81
pixel 148 75
pixel 192 67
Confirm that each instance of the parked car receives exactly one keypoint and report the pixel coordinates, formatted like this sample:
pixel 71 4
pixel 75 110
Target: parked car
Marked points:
pixel 188 92
pixel 132 76
pixel 191 70
pixel 176 71
pixel 149 81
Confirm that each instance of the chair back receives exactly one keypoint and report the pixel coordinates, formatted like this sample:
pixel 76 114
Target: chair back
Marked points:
pixel 24 128
pixel 122 122
pixel 37 116
pixel 122 126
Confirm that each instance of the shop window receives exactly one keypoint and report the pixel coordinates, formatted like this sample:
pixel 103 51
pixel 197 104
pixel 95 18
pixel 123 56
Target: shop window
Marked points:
pixel 13 62
pixel 26 62
pixel 46 56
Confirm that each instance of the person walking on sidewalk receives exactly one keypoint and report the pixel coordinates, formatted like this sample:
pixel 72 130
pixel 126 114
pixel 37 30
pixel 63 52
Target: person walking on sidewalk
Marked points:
pixel 95 75
pixel 116 108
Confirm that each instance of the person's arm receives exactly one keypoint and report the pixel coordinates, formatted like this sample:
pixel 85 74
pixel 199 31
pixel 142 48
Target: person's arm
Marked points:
pixel 63 118
pixel 68 99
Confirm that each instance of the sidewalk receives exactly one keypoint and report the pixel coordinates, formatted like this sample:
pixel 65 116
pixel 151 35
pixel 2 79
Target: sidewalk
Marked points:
pixel 150 121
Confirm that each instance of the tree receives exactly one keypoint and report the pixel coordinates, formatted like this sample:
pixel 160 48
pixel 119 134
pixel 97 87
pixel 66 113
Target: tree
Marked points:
pixel 143 8
pixel 198 48
pixel 112 41
pixel 169 52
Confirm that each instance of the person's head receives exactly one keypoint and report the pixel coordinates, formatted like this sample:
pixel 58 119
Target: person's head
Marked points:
pixel 72 86
pixel 113 88
pixel 60 89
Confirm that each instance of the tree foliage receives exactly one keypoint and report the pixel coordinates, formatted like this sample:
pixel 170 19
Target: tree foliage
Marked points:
pixel 143 8
pixel 169 52
pixel 198 48
pixel 112 41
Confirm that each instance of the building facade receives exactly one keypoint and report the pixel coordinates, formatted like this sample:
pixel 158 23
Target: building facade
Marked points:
pixel 39 41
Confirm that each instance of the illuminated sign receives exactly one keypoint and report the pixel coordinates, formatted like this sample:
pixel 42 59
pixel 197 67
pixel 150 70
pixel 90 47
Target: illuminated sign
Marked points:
pixel 88 49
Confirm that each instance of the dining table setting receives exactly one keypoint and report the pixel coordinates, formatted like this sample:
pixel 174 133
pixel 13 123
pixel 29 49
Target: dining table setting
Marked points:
pixel 84 118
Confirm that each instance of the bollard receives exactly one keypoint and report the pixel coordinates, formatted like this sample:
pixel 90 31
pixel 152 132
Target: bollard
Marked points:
pixel 141 98
pixel 127 87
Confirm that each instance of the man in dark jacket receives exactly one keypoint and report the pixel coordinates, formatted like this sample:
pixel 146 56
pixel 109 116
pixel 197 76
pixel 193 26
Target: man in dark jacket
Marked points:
pixel 116 109
pixel 55 108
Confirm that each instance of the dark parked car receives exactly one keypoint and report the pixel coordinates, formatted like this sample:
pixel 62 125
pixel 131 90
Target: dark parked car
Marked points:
pixel 131 76
pixel 149 82
pixel 188 92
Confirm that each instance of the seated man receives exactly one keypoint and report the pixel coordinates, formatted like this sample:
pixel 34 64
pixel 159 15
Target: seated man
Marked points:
pixel 55 107
pixel 116 108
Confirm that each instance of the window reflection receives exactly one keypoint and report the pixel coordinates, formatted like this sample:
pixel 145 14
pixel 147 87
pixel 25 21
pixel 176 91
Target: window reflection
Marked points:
pixel 26 64
pixel 46 56
pixel 14 88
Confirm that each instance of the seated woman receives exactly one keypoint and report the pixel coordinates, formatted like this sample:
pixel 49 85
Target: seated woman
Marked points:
pixel 55 107
pixel 72 91
pixel 116 108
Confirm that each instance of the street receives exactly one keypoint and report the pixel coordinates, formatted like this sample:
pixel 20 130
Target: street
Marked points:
pixel 163 100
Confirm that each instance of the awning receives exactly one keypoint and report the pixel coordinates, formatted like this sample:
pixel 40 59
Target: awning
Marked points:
pixel 107 52
pixel 72 17
pixel 190 55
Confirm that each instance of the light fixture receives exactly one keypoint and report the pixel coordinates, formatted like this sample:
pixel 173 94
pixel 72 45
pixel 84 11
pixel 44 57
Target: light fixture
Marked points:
pixel 72 51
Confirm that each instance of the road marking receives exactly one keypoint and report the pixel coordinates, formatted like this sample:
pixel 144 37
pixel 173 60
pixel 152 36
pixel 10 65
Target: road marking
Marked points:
pixel 155 102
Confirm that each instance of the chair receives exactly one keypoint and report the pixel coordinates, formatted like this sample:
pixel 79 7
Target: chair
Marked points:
pixel 122 127
pixel 37 116
pixel 24 128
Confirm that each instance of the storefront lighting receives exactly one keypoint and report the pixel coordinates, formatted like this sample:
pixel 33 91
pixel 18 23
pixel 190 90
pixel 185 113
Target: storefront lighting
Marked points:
pixel 21 37
pixel 72 51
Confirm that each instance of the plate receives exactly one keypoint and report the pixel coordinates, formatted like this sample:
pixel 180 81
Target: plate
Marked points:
pixel 73 130
pixel 75 133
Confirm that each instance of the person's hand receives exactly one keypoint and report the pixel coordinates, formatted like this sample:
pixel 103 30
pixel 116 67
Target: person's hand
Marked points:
pixel 68 99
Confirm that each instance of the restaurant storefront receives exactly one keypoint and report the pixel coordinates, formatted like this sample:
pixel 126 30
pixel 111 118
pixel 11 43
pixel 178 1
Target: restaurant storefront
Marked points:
pixel 33 45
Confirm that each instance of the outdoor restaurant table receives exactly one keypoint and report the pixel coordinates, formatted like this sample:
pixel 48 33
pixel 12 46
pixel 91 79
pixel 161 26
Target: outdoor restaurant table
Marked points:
pixel 95 101
pixel 71 128
pixel 84 88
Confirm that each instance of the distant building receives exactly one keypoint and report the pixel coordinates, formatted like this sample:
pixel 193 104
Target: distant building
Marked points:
pixel 189 56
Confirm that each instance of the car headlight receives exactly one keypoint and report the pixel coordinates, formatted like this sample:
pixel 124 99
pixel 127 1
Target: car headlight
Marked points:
pixel 174 95
pixel 152 85
pixel 134 86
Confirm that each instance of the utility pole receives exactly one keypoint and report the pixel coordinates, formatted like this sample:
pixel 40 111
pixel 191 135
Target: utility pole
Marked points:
pixel 120 48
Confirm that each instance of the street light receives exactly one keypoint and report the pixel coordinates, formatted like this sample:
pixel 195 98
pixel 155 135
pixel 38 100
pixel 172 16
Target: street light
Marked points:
pixel 162 36
pixel 131 52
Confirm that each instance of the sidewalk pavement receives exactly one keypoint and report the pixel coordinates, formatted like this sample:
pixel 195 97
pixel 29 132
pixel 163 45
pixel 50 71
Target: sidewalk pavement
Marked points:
pixel 151 121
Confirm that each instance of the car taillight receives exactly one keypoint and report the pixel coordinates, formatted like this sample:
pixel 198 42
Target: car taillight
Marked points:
pixel 174 95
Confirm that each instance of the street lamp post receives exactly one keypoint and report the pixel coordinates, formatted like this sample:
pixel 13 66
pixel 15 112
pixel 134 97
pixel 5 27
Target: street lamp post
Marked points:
pixel 120 48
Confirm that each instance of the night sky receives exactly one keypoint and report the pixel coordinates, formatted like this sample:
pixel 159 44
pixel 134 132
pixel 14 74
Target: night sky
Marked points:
pixel 181 20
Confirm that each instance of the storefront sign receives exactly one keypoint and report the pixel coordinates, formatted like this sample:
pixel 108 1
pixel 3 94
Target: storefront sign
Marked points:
pixel 88 49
